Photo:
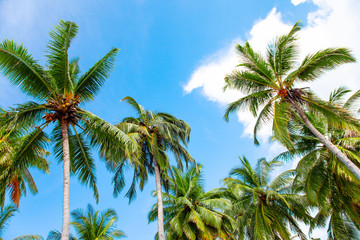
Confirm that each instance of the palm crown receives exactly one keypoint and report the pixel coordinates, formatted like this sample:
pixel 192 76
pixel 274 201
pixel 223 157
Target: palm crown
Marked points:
pixel 155 133
pixel 264 208
pixel 192 213
pixel 91 224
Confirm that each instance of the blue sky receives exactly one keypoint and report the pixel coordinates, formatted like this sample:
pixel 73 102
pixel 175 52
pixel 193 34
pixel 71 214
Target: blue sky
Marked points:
pixel 174 55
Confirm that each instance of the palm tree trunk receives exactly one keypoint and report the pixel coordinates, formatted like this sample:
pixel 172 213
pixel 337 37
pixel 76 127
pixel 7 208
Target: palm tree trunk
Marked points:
pixel 66 193
pixel 340 155
pixel 159 202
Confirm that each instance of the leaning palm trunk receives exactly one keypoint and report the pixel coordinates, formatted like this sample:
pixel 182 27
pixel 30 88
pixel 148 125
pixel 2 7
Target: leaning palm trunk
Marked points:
pixel 159 202
pixel 66 193
pixel 328 144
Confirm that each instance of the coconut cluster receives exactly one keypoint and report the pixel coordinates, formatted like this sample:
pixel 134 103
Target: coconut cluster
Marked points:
pixel 294 94
pixel 64 108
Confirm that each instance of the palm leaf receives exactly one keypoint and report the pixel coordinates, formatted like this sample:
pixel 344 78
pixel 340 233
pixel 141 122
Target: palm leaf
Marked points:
pixel 251 101
pixel 280 124
pixel 22 70
pixel 89 84
pixel 316 64
pixel 61 38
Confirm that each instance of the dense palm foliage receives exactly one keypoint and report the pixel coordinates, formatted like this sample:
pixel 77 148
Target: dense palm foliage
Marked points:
pixel 328 184
pixel 15 175
pixel 192 213
pixel 264 208
pixel 91 224
pixel 60 90
pixel 155 133
pixel 5 216
pixel 270 82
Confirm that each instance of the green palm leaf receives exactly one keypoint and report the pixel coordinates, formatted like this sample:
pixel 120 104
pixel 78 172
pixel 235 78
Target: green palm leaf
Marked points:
pixel 58 59
pixel 22 70
pixel 89 84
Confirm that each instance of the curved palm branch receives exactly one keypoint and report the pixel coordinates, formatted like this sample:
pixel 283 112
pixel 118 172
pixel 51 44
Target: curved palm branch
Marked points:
pixel 89 84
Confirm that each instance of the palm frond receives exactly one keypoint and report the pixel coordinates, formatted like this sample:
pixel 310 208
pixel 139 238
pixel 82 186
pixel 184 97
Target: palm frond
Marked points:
pixel 282 54
pixel 254 62
pixel 316 64
pixel 89 84
pixel 29 237
pixel 352 103
pixel 251 101
pixel 22 70
pixel 5 215
pixel 280 124
pixel 138 108
pixel 82 163
pixel 58 58
pixel 263 118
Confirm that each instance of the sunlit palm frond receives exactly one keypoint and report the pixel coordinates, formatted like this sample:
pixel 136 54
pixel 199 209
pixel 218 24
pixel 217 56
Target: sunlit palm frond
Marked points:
pixel 313 66
pixel 22 70
pixel 58 59
pixel 89 84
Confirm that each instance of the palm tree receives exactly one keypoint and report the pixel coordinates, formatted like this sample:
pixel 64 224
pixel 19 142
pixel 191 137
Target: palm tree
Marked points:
pixel 155 133
pixel 61 89
pixel 265 209
pixel 5 216
pixel 192 213
pixel 270 82
pixel 91 225
pixel 15 175
pixel 328 184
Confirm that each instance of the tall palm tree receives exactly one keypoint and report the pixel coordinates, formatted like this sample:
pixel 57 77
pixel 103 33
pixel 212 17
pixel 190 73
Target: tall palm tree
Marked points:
pixel 61 90
pixel 15 175
pixel 270 82
pixel 91 224
pixel 5 216
pixel 192 213
pixel 328 184
pixel 265 208
pixel 156 134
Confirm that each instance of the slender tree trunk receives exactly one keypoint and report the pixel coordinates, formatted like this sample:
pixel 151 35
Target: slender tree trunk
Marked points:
pixel 159 202
pixel 340 155
pixel 66 193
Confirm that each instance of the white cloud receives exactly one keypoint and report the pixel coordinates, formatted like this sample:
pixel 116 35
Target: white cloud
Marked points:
pixel 210 76
pixel 334 23
pixel 297 2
